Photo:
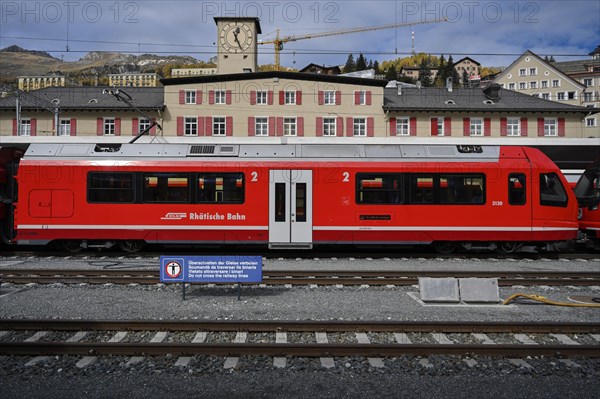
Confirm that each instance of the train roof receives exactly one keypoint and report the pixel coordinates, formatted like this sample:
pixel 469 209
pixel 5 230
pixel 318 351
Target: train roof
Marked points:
pixel 270 152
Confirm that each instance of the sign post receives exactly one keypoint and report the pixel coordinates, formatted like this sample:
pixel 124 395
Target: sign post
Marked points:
pixel 211 269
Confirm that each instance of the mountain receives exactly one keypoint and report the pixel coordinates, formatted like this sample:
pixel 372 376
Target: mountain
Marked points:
pixel 16 61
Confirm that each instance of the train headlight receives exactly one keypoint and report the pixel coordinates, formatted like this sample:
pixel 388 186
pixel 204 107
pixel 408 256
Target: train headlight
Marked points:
pixel 579 213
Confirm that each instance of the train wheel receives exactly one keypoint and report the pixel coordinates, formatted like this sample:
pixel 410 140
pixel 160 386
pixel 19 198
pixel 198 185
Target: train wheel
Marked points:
pixel 508 247
pixel 131 245
pixel 444 247
pixel 72 246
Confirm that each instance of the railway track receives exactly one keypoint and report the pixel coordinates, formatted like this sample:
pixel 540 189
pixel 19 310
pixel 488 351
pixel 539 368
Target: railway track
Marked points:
pixel 321 277
pixel 26 338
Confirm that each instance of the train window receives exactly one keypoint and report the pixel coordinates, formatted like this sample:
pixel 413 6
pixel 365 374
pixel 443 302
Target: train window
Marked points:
pixel 165 188
pixel 379 189
pixel 110 187
pixel 421 189
pixel 461 189
pixel 280 202
pixel 220 188
pixel 517 189
pixel 552 192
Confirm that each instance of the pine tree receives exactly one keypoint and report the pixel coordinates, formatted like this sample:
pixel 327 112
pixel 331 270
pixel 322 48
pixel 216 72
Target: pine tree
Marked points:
pixel 391 73
pixel 361 62
pixel 376 67
pixel 425 74
pixel 350 64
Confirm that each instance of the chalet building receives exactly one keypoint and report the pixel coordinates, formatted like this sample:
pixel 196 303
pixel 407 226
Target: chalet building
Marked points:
pixel 79 111
pixel 321 69
pixel 466 65
pixel 271 104
pixel 475 112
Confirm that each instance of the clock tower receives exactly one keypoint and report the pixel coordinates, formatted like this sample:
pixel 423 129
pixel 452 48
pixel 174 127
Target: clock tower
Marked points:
pixel 237 44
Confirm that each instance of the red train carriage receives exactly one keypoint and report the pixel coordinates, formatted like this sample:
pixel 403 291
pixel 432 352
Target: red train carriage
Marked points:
pixel 9 158
pixel 587 192
pixel 291 196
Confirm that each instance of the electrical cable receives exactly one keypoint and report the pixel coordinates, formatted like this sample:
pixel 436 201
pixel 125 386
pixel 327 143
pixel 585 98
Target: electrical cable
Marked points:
pixel 545 300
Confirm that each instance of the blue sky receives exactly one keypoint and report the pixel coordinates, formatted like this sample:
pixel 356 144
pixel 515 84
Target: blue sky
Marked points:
pixel 492 32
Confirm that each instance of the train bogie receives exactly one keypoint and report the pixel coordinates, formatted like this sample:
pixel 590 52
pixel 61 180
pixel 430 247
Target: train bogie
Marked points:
pixel 293 196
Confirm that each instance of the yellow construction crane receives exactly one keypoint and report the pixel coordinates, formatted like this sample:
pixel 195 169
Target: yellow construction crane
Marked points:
pixel 278 42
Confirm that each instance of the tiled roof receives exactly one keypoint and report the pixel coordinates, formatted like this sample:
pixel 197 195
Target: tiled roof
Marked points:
pixel 470 99
pixel 88 98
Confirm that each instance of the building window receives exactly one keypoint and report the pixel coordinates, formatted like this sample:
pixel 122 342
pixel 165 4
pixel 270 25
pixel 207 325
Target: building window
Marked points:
pixel 329 127
pixel 556 83
pixel 522 85
pixel 532 71
pixel 588 82
pixel 64 128
pixel 144 124
pixel 544 84
pixel 289 126
pixel 25 129
pixel 513 126
pixel 588 97
pixel 533 85
pixel 261 126
pixel 361 97
pixel 190 96
pixel 360 127
pixel 590 122
pixel 218 126
pixel 403 126
pixel 290 97
pixel 522 72
pixel 550 127
pixel 329 97
pixel 261 97
pixel 476 128
pixel 545 96
pixel 560 96
pixel 220 97
pixel 439 121
pixel 190 126
pixel 511 86
pixel 571 95
pixel 109 126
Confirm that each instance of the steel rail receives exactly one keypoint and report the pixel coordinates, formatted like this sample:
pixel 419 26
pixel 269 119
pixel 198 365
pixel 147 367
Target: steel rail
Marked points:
pixel 306 350
pixel 299 326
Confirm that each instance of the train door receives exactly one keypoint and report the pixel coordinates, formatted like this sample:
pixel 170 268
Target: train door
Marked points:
pixel 290 208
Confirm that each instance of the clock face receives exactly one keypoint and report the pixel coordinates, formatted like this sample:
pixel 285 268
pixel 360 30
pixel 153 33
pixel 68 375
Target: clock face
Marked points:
pixel 236 37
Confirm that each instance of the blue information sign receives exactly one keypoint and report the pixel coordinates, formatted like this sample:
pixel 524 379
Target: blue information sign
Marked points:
pixel 211 269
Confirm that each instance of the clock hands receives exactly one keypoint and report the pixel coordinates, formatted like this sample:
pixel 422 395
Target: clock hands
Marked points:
pixel 235 36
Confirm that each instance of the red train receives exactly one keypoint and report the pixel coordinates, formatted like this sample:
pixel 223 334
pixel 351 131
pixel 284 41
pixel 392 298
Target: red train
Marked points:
pixel 587 192
pixel 290 196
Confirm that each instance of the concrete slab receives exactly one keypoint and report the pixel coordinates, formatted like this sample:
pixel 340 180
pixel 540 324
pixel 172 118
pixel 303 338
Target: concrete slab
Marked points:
pixel 479 290
pixel 439 290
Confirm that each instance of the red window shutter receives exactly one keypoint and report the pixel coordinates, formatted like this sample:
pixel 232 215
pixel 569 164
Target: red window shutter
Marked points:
pixel 349 127
pixel 393 127
pixel 117 126
pixel 228 97
pixel 339 126
pixel 321 97
pixel 201 126
pixel 253 97
pixel 413 126
pixel 180 125
pixel 434 126
pixel 281 97
pixel 300 126
pixel 371 127
pixel 541 127
pixel 356 97
pixel 99 126
pixel 251 127
pixel 447 126
pixel 561 127
pixel 487 127
pixel 73 127
pixel 319 130
pixel 338 97
pixel 272 126
pixel 181 96
pixel 208 130
pixel 280 126
pixel 198 96
pixel 369 99
pixel 503 127
pixel 229 126
pixel 14 126
pixel 524 128
pixel 34 127
pixel 299 97
pixel 211 97
pixel 270 97
pixel 135 125
pixel 466 126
